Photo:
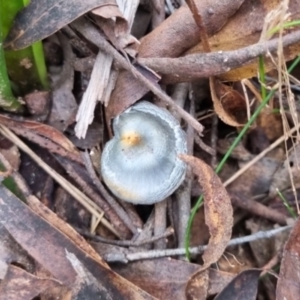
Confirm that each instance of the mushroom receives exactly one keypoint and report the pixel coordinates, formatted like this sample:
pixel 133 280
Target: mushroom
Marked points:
pixel 140 164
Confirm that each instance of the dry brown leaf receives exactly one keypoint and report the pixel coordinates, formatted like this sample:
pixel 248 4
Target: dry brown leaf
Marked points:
pixel 289 277
pixel 290 169
pixel 243 286
pixel 41 18
pixel 259 175
pixel 201 65
pixel 175 35
pixel 121 99
pixel 271 123
pixel 12 252
pixel 244 29
pixel 44 135
pixel 115 26
pixel 19 284
pixel 59 224
pixel 263 250
pixel 180 32
pixel 166 278
pixel 49 247
pixel 12 154
pixel 38 103
pixel 218 217
pixel 229 105
pixel 197 286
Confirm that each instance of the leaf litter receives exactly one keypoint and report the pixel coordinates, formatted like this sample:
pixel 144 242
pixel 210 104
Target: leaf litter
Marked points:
pixel 103 70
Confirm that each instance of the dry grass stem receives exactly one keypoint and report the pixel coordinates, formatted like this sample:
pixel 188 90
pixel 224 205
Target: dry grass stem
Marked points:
pixel 72 190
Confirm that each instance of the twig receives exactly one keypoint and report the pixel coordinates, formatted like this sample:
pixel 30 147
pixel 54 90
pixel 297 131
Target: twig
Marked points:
pixel 256 208
pixel 193 250
pixel 260 156
pixel 112 202
pixel 66 77
pixel 179 95
pixel 214 140
pixel 183 195
pixel 195 66
pixel 168 232
pixel 182 206
pixel 77 194
pixel 95 91
pixel 160 222
pixel 91 33
pixel 75 173
pixel 271 263
pixel 146 233
pixel 204 147
pixel 199 21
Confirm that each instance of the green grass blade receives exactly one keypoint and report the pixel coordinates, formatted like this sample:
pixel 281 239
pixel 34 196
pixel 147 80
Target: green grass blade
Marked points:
pixel 286 204
pixel 26 67
pixel 7 99
pixel 228 153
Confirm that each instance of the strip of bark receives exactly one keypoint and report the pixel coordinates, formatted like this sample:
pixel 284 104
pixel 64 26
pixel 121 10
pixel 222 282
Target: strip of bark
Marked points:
pixel 195 66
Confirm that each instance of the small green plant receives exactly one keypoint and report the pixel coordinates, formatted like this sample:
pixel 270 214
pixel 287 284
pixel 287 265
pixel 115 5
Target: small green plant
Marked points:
pixel 287 205
pixel 26 68
pixel 284 26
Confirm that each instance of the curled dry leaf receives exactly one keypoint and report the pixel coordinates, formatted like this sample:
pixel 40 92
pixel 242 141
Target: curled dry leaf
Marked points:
pixel 44 135
pixel 289 277
pixel 116 26
pixel 218 217
pixel 229 105
pixel 120 25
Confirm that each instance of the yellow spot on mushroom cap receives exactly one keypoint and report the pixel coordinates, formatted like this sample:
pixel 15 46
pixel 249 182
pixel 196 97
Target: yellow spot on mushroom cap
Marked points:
pixel 131 138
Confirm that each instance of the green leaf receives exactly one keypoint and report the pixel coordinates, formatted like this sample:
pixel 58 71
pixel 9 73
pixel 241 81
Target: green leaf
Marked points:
pixel 26 67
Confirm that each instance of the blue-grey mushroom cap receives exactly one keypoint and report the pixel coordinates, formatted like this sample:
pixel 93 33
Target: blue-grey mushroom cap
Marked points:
pixel 140 164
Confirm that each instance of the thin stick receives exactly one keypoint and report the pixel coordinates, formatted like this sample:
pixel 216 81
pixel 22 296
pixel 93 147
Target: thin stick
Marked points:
pixel 93 35
pixel 160 222
pixel 77 194
pixel 214 140
pixel 121 257
pixel 260 156
pixel 199 21
pixel 203 65
pixel 183 194
pixel 112 202
pixel 168 232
